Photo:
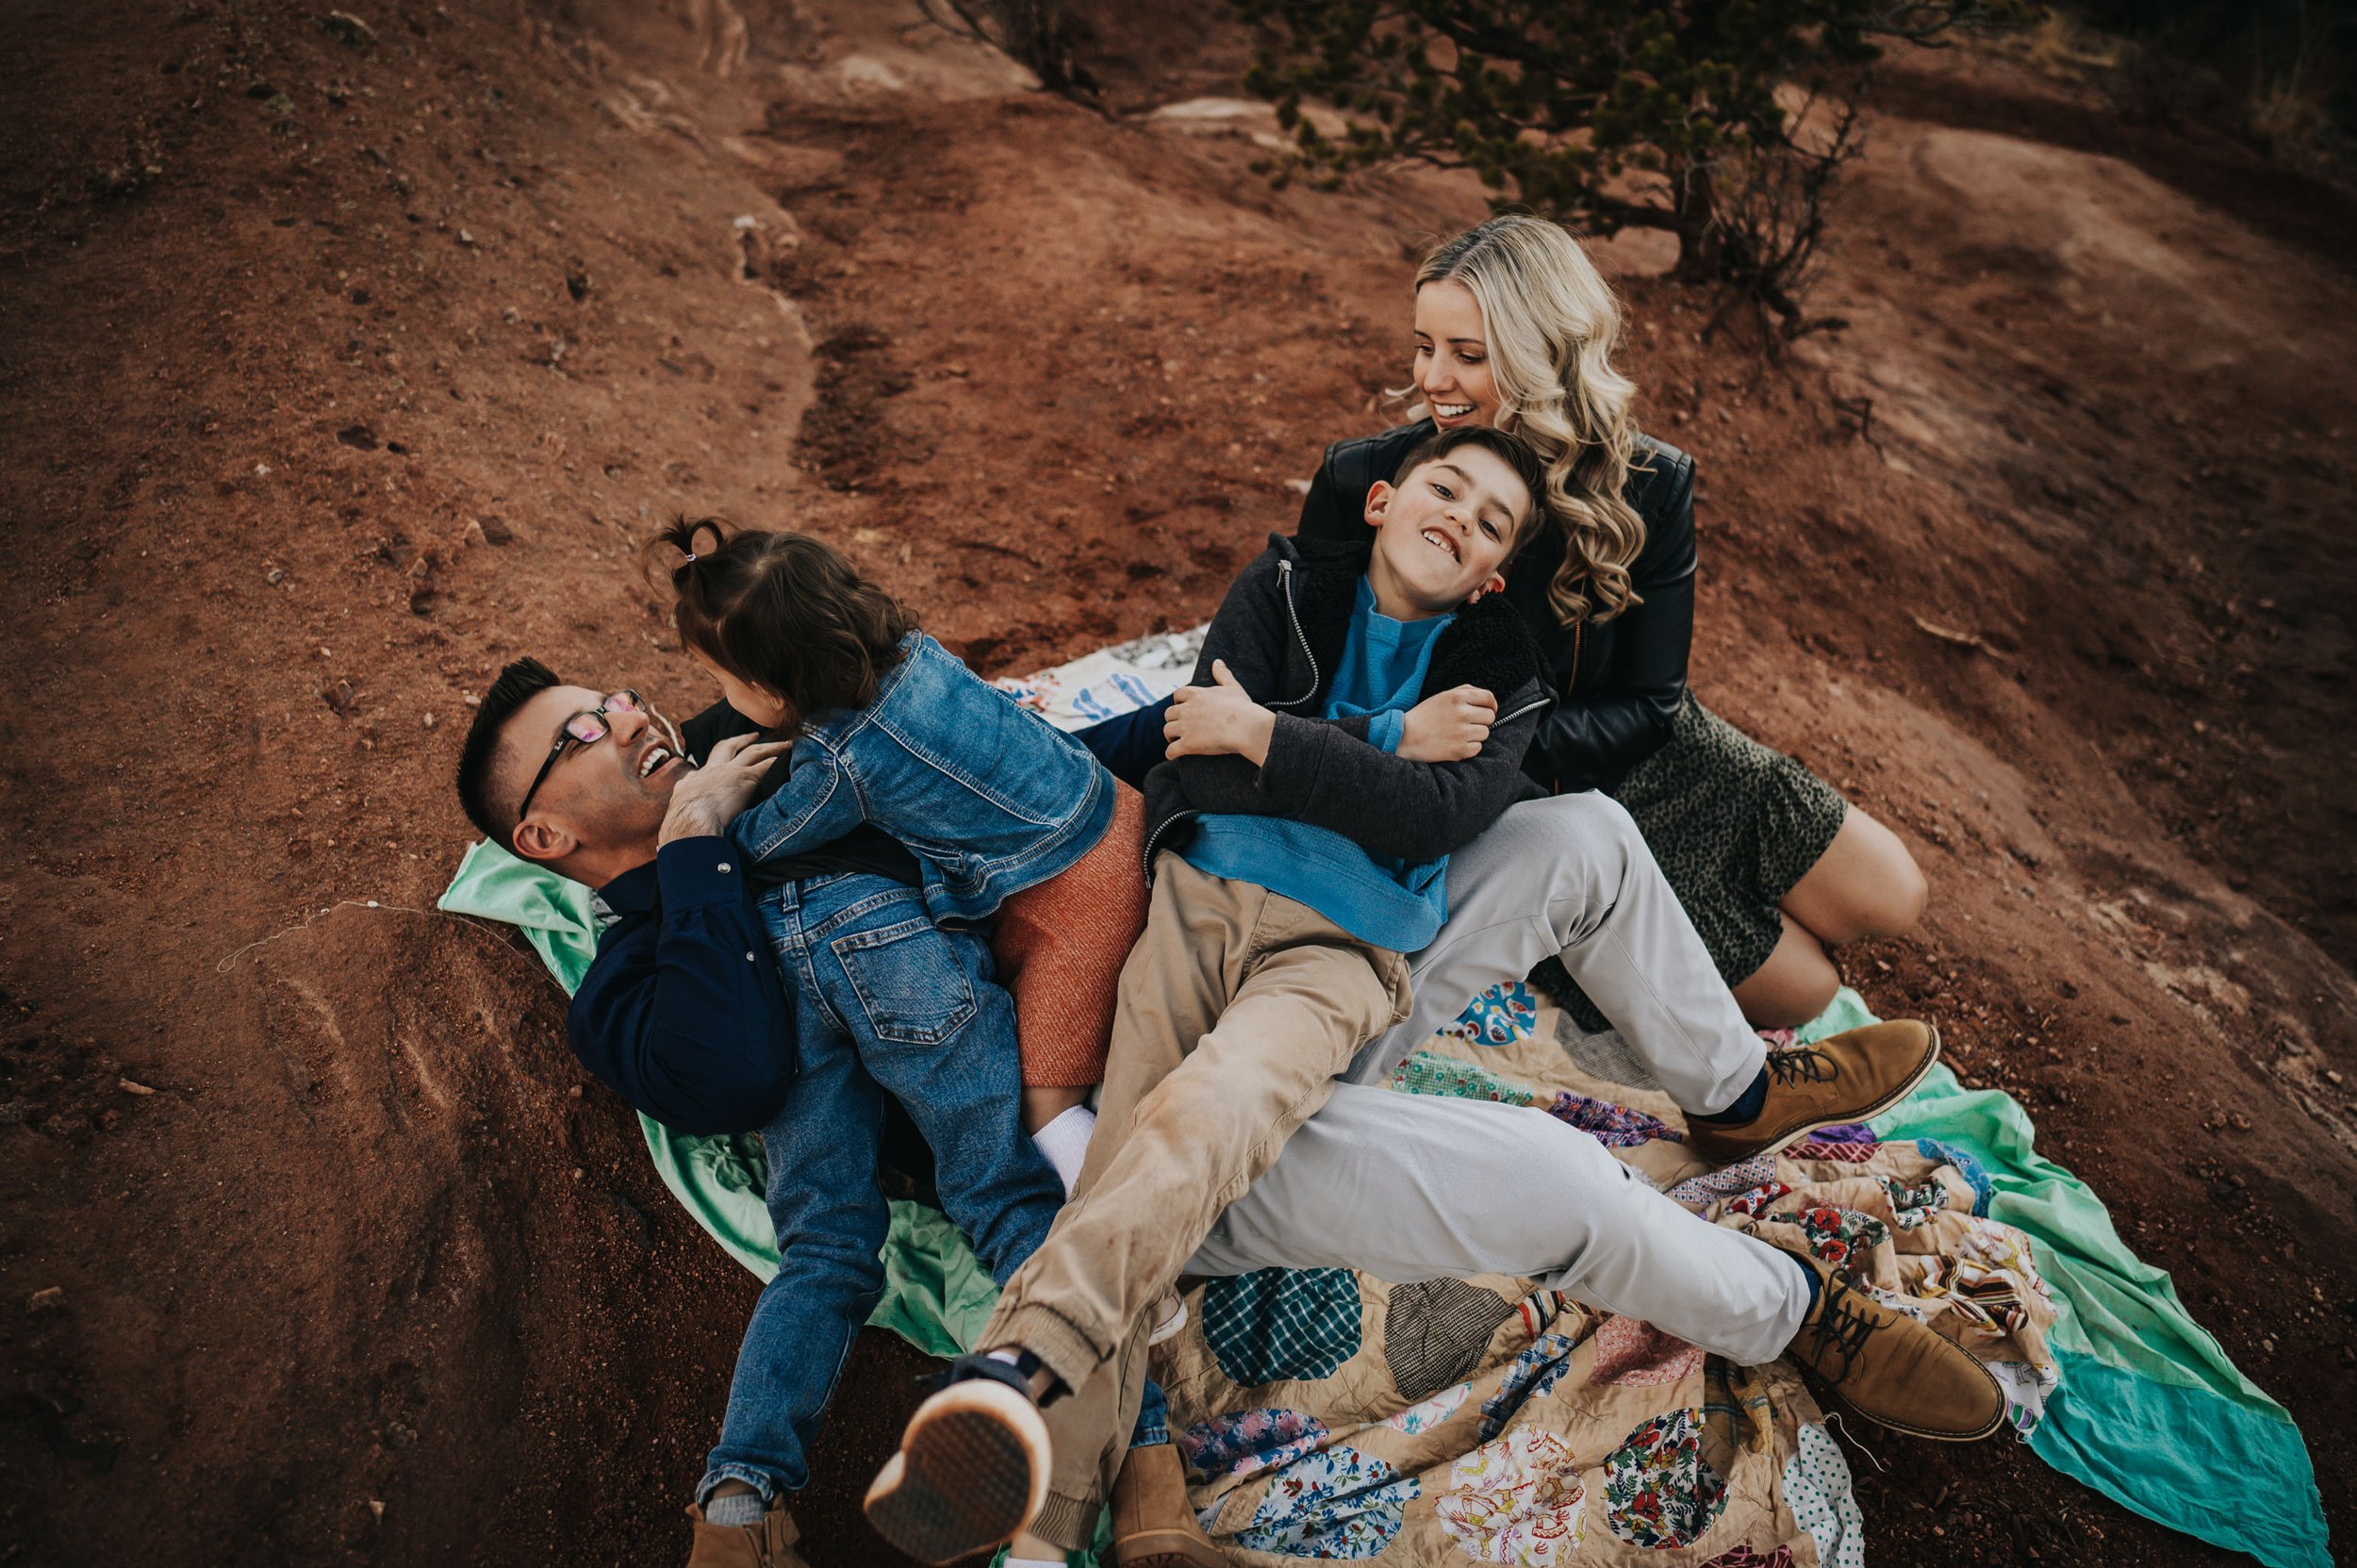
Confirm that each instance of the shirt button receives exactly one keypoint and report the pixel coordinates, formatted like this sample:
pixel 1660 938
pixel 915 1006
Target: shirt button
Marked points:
pixel 748 958
pixel 724 865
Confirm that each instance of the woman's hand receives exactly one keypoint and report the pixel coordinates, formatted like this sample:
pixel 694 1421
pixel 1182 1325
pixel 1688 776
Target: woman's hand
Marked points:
pixel 1217 720
pixel 1448 726
pixel 705 801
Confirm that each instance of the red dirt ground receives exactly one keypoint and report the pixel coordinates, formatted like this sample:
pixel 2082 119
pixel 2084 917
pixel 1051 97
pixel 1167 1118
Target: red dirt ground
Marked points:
pixel 335 372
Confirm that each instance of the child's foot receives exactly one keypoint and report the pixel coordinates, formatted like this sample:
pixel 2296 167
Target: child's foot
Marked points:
pixel 1889 1368
pixel 769 1544
pixel 1845 1078
pixel 972 1469
pixel 1153 1526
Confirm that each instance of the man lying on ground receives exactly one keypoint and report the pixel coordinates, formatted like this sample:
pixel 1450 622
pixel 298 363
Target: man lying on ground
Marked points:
pixel 690 954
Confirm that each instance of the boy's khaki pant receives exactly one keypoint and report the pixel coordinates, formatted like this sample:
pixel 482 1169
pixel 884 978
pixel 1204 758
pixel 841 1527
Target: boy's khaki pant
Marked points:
pixel 1238 1008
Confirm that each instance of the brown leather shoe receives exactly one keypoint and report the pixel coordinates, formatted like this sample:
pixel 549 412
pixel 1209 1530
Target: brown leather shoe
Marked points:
pixel 1153 1526
pixel 1849 1077
pixel 767 1545
pixel 1892 1369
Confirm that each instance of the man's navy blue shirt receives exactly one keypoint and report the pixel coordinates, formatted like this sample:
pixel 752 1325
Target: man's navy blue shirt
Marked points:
pixel 683 1012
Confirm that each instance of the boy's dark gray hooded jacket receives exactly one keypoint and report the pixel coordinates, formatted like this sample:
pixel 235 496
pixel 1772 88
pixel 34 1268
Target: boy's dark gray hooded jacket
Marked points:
pixel 1282 631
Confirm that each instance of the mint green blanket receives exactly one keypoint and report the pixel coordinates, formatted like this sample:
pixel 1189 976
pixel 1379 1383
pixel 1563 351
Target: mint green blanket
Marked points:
pixel 2150 1412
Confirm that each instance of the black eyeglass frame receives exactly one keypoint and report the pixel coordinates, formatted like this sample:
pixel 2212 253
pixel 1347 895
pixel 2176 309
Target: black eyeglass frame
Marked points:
pixel 566 737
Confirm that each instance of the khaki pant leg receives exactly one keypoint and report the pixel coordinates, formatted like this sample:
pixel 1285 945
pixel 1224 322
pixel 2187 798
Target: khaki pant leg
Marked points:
pixel 1238 1010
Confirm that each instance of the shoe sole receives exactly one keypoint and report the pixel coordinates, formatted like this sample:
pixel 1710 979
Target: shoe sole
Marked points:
pixel 1168 1329
pixel 1912 1081
pixel 971 1474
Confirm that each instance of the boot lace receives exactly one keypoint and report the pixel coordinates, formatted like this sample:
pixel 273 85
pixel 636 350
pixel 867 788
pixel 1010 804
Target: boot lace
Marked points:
pixel 1842 1329
pixel 1801 1065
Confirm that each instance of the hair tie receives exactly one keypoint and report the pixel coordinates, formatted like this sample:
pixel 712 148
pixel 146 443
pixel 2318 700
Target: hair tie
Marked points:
pixel 691 559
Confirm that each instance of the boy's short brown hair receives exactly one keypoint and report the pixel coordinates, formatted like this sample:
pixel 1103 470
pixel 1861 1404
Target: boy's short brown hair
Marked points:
pixel 1510 448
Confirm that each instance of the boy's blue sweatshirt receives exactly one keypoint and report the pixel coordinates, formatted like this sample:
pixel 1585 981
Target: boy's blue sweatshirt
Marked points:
pixel 1387 902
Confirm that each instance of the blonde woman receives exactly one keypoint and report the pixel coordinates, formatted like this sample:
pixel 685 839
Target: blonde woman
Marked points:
pixel 1515 329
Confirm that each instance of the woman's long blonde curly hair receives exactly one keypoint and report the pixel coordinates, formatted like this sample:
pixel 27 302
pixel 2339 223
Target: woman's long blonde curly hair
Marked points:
pixel 1552 323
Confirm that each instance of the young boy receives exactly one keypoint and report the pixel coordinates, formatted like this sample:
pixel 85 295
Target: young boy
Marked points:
pixel 1359 712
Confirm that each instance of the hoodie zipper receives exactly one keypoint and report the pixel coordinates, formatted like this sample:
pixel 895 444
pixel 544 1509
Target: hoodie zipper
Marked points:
pixel 1285 582
pixel 1147 860
pixel 1535 704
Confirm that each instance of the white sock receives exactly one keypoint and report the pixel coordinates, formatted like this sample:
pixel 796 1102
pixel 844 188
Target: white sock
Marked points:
pixel 1065 1142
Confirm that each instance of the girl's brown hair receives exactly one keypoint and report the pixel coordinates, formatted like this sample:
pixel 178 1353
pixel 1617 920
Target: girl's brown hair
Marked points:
pixel 783 611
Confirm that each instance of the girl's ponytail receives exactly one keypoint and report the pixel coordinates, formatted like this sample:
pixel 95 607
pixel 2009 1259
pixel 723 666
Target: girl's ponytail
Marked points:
pixel 782 611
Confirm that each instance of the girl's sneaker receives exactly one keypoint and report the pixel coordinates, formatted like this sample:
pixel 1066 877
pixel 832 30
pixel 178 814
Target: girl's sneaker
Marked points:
pixel 972 1469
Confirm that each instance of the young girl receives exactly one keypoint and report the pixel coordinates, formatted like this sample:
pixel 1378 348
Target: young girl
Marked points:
pixel 1003 812
pixel 921 801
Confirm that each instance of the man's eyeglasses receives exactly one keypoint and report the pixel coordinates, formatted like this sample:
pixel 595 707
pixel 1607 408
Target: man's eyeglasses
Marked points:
pixel 585 728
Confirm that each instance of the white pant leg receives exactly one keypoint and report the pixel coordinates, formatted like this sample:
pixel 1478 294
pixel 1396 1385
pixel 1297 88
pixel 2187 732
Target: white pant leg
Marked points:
pixel 1411 1187
pixel 1572 876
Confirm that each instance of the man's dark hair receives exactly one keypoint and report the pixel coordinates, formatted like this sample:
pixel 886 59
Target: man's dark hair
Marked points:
pixel 786 612
pixel 1510 448
pixel 518 683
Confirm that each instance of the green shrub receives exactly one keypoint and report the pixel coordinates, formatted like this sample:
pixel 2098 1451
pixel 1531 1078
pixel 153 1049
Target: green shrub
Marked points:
pixel 1709 119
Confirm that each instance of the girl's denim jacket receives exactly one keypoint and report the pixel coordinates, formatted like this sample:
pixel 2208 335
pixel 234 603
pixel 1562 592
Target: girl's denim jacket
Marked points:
pixel 990 799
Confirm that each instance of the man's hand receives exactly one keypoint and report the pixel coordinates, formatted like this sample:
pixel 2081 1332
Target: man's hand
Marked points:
pixel 1217 720
pixel 708 798
pixel 1448 726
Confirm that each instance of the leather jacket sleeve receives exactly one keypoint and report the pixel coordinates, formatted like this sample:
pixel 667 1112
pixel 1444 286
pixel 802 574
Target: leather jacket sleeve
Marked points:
pixel 1326 513
pixel 1591 740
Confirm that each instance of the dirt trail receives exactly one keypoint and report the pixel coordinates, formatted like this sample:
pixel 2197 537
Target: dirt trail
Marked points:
pixel 337 369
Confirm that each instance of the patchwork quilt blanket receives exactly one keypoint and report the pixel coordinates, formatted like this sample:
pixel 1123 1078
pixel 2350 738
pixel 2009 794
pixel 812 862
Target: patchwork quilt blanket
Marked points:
pixel 1327 1415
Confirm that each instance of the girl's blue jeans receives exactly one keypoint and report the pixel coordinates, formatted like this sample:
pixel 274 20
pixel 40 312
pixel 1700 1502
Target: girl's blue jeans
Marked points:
pixel 885 1003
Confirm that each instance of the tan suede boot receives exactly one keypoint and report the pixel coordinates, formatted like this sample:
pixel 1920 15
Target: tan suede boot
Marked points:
pixel 767 1545
pixel 1892 1369
pixel 1844 1077
pixel 1153 1526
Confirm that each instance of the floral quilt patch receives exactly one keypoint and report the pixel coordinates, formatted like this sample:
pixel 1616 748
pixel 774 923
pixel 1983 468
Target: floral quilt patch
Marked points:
pixel 1912 1206
pixel 1498 1016
pixel 1659 1490
pixel 1518 1500
pixel 1336 1503
pixel 1247 1443
pixel 1424 1416
pixel 1835 1233
pixel 1613 1125
pixel 1632 1353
